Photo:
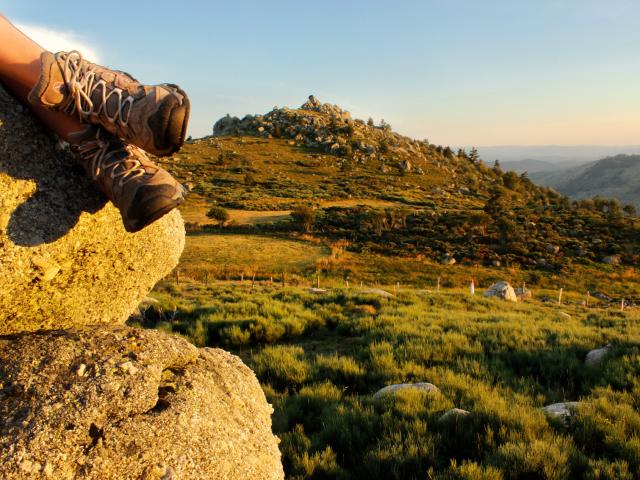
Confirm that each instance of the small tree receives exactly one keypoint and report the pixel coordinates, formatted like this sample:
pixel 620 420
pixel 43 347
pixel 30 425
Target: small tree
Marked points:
pixel 474 156
pixel 304 216
pixel 218 214
pixel 630 210
pixel 370 122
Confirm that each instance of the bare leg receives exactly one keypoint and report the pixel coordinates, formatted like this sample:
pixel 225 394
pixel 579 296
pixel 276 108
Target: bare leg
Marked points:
pixel 19 72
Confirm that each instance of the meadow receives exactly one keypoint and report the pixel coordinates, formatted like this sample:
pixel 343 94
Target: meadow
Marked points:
pixel 321 357
pixel 273 211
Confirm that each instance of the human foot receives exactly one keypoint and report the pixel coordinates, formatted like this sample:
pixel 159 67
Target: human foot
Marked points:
pixel 153 118
pixel 142 191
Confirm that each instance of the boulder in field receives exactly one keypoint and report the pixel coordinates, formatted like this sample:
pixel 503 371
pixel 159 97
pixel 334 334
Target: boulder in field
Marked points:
pixel 612 260
pixel 502 290
pixel 453 414
pixel 562 411
pixel 65 257
pixel 393 389
pixel 377 292
pixel 595 357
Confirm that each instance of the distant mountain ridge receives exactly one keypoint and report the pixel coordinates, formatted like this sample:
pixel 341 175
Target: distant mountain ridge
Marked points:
pixel 554 154
pixel 612 177
pixel 531 165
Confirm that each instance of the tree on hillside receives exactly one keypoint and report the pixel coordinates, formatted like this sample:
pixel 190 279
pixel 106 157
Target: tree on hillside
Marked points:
pixel 370 122
pixel 218 214
pixel 304 216
pixel 474 156
pixel 630 210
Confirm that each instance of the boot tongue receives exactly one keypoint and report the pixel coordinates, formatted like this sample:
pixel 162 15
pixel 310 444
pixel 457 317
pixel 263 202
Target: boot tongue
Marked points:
pixel 112 105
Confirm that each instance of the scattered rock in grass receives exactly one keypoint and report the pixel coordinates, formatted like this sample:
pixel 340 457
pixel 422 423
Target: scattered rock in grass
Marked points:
pixel 454 413
pixel 523 294
pixel 564 314
pixel 502 290
pixel 377 291
pixel 562 411
pixel 595 357
pixel 612 260
pixel 448 260
pixel 553 249
pixel 393 389
pixel 318 291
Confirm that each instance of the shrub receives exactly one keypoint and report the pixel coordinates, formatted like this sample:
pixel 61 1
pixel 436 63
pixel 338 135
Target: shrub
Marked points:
pixel 304 216
pixel 219 214
pixel 281 365
pixel 339 369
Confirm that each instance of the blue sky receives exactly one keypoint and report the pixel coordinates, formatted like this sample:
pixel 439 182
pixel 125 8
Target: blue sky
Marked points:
pixel 459 72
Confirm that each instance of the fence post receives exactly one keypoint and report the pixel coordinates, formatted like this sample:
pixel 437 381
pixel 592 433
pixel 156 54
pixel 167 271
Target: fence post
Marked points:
pixel 253 281
pixel 560 297
pixel 438 285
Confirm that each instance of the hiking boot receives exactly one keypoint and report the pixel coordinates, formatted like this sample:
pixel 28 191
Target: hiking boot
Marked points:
pixel 142 191
pixel 152 117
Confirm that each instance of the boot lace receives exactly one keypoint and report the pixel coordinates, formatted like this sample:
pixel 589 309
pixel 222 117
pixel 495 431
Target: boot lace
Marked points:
pixel 83 81
pixel 103 159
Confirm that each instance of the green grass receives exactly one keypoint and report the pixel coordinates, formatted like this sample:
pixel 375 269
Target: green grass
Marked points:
pixel 320 359
pixel 220 254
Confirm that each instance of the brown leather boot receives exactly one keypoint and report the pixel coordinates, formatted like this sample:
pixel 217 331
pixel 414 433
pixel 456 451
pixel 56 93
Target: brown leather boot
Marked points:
pixel 142 191
pixel 152 117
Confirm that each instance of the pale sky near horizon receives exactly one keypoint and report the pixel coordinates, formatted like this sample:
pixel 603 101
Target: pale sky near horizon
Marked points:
pixel 457 72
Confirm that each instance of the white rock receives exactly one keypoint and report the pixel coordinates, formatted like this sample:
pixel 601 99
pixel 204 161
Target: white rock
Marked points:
pixel 453 413
pixel 393 389
pixel 561 411
pixel 595 357
pixel 502 290
pixel 377 291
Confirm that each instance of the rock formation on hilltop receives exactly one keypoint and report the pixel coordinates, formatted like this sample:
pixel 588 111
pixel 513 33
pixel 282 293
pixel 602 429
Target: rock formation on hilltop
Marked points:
pixel 65 258
pixel 331 129
pixel 120 403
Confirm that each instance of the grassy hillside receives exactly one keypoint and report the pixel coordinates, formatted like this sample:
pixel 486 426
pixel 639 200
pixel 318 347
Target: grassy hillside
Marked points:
pixel 374 192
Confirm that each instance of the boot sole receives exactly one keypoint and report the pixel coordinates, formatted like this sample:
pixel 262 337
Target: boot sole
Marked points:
pixel 175 130
pixel 141 223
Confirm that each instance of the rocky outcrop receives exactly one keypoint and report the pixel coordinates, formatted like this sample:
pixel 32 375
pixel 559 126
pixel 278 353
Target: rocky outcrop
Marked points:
pixel 502 290
pixel 122 403
pixel 332 130
pixel 65 258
